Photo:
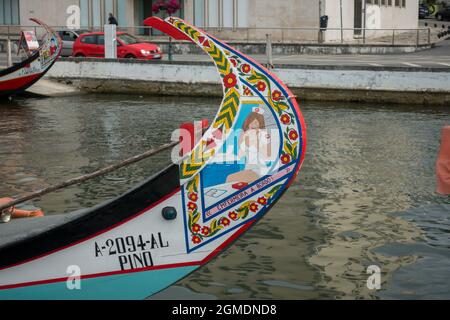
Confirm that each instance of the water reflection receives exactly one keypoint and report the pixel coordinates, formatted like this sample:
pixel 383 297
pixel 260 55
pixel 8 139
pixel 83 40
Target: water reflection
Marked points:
pixel 363 164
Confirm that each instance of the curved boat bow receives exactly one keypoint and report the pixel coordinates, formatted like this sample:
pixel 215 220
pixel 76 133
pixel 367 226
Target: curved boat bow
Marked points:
pixel 178 220
pixel 22 75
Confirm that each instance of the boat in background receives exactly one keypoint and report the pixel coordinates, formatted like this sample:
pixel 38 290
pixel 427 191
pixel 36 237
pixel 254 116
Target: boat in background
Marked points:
pixel 179 219
pixel 22 75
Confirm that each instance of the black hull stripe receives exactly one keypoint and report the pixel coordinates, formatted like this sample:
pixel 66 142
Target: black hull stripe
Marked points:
pixel 94 221
pixel 19 65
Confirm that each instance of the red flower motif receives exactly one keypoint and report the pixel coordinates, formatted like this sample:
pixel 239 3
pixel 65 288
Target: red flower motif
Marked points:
pixel 262 201
pixel 276 95
pixel 261 86
pixel 196 228
pixel 192 206
pixel 245 68
pixel 293 135
pixel 253 207
pixel 230 80
pixel 247 92
pixel 205 231
pixel 234 62
pixel 233 215
pixel 285 158
pixel 225 222
pixel 196 239
pixel 285 119
pixel 193 197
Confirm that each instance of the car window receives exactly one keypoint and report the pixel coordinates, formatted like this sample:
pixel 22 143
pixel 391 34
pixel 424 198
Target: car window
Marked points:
pixel 89 40
pixel 67 36
pixel 73 36
pixel 101 40
pixel 127 39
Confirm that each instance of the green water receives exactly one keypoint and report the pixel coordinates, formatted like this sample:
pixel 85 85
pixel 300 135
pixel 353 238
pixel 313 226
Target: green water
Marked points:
pixel 365 195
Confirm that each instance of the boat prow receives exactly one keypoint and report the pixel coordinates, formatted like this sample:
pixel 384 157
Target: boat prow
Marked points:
pixel 24 74
pixel 179 219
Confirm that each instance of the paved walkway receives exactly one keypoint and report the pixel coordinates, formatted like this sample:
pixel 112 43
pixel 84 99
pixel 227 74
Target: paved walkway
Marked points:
pixel 438 57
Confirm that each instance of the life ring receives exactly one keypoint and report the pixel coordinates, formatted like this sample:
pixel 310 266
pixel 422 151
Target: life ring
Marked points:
pixel 20 213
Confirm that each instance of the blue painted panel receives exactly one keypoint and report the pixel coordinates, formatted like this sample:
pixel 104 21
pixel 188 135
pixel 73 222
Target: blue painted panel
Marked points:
pixel 138 285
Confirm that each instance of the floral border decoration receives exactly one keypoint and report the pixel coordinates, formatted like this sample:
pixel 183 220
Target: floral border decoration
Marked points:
pixel 200 233
pixel 232 88
pixel 277 101
pixel 232 68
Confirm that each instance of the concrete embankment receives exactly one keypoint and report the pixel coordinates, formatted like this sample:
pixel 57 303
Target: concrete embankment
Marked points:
pixel 179 47
pixel 411 85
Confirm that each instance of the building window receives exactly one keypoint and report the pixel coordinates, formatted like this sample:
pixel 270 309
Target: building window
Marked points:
pixel 199 13
pixel 122 13
pixel 389 2
pixel 95 13
pixel 397 3
pixel 9 12
pixel 221 13
pixel 228 14
pixel 242 13
pixel 404 3
pixel 213 13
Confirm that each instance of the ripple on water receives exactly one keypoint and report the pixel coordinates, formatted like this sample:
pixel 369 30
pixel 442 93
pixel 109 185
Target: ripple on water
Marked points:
pixel 363 163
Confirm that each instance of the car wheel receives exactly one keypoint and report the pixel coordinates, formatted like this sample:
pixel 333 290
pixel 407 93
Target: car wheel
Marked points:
pixel 80 55
pixel 130 56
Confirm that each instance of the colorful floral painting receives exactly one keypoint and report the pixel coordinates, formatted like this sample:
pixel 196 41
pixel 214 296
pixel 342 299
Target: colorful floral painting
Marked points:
pixel 243 82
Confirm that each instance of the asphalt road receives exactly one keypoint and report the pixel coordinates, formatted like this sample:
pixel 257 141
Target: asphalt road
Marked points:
pixel 438 57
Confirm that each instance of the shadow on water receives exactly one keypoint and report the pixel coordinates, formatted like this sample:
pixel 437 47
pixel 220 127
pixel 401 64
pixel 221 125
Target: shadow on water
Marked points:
pixel 363 164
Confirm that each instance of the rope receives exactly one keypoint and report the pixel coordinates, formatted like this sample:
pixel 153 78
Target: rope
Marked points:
pixel 89 176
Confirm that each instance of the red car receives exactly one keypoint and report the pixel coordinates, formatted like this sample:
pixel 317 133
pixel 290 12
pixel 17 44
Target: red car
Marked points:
pixel 93 45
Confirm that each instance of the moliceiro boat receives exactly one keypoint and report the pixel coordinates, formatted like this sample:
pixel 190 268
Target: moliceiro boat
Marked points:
pixel 21 76
pixel 179 219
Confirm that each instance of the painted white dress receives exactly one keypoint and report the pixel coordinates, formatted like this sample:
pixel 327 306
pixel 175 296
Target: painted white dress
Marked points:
pixel 257 158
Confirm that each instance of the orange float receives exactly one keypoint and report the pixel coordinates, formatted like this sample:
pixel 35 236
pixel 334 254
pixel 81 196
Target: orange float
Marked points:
pixel 443 163
pixel 19 213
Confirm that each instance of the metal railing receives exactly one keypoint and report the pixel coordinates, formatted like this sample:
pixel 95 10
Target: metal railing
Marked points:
pixel 278 34
pixel 9 35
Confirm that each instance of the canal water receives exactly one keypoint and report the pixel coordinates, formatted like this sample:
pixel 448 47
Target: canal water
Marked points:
pixel 365 195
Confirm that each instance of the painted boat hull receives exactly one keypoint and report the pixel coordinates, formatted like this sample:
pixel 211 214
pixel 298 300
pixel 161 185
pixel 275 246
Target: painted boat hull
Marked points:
pixel 132 286
pixel 128 248
pixel 23 75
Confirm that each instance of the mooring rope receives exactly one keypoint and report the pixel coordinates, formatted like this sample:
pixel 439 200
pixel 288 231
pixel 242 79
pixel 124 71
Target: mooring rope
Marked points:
pixel 89 176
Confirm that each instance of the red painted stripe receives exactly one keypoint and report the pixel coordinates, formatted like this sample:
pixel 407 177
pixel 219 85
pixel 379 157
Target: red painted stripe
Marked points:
pixel 17 83
pixel 228 241
pixel 95 234
pixel 97 275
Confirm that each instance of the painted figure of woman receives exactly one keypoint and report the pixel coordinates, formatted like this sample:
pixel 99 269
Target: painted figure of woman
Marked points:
pixel 254 148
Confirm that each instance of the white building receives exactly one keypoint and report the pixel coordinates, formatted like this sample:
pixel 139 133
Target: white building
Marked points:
pixel 369 14
pixel 286 20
